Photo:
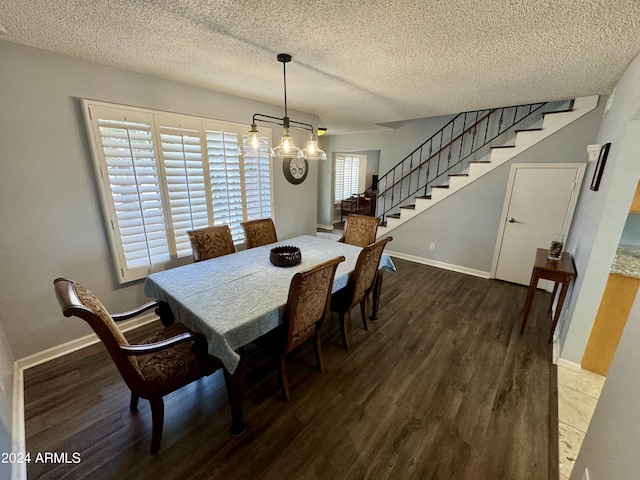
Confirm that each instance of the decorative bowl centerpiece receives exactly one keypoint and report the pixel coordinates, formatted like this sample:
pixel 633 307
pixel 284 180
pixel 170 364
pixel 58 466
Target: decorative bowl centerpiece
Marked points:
pixel 285 256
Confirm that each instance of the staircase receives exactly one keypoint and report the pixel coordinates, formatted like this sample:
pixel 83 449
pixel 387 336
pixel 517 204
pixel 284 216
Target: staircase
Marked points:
pixel 431 173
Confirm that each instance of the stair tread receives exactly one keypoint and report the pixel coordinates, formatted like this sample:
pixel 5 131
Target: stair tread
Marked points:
pixel 409 207
pixel 440 186
pixel 558 111
pixel 480 161
pixel 504 146
pixel 529 130
pixel 458 174
pixel 424 197
pixel 393 215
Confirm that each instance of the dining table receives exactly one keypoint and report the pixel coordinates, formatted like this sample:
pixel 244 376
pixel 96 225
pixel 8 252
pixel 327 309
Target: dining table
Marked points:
pixel 234 299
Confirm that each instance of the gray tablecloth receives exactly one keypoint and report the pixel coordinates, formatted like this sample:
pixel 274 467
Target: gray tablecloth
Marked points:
pixel 236 298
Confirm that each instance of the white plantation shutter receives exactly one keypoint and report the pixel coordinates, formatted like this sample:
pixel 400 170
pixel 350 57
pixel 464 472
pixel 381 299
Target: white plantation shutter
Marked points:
pixel 185 176
pixel 161 175
pixel 130 171
pixel 257 182
pixel 226 184
pixel 350 175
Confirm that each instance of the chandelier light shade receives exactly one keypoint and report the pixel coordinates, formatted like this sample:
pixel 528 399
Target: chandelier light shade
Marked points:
pixel 311 151
pixel 287 148
pixel 253 144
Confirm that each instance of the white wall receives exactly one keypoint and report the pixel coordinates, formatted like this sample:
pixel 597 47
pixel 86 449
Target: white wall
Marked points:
pixel 6 393
pixel 601 215
pixel 49 209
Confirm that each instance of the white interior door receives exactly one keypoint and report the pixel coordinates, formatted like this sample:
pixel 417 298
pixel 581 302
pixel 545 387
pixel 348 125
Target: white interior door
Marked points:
pixel 540 201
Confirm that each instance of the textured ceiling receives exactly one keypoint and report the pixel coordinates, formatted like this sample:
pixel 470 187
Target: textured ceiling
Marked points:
pixel 356 64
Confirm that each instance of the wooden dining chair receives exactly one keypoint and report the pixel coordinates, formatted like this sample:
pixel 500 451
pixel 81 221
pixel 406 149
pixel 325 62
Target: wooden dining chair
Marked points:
pixel 306 309
pixel 159 365
pixel 360 285
pixel 259 232
pixel 360 230
pixel 211 242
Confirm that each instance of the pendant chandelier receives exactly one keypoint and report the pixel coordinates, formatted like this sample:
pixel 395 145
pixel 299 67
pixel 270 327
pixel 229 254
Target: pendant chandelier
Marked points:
pixel 286 149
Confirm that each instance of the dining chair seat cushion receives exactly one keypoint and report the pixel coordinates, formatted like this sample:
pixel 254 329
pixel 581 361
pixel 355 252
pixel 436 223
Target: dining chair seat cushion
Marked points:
pixel 176 366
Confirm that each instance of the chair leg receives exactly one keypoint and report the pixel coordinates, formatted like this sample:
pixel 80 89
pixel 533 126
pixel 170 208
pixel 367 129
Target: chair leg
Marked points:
pixel 363 312
pixel 157 421
pixel 133 404
pixel 343 331
pixel 317 349
pixel 284 382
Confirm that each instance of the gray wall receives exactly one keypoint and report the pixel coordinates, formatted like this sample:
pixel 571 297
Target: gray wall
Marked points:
pixel 49 210
pixel 601 215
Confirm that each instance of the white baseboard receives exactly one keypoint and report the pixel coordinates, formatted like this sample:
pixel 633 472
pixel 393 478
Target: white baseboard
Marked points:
pixel 563 362
pixel 443 265
pixel 19 471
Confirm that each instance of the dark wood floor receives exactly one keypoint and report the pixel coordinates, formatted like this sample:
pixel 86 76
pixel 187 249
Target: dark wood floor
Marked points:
pixel 442 386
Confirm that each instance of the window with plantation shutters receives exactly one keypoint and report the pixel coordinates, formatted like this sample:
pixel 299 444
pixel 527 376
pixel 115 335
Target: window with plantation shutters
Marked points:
pixel 349 175
pixel 161 175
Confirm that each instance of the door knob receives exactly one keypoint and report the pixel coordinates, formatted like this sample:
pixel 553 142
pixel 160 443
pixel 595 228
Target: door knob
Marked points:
pixel 513 220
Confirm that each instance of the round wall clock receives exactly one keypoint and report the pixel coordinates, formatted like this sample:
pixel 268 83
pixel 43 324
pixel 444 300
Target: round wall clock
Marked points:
pixel 295 169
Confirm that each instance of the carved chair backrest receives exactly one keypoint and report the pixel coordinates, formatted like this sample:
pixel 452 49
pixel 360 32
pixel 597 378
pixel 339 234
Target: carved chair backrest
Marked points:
pixel 259 232
pixel 309 301
pixel 360 230
pixel 366 269
pixel 79 301
pixel 211 242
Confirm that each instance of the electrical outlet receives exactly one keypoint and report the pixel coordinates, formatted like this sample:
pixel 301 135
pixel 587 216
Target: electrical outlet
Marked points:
pixel 432 246
pixel 585 475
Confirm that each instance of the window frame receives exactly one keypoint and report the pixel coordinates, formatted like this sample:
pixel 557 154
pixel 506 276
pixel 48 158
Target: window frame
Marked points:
pixel 362 170
pixel 158 122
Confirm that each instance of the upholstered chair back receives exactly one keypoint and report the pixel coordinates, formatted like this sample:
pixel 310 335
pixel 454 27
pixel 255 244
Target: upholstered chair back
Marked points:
pixel 259 232
pixel 360 230
pixel 308 303
pixel 211 242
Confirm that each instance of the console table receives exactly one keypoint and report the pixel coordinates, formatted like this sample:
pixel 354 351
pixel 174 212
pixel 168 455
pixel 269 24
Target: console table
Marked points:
pixel 558 271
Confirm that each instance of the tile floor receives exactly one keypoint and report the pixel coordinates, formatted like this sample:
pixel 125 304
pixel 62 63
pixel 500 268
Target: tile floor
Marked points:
pixel 578 393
